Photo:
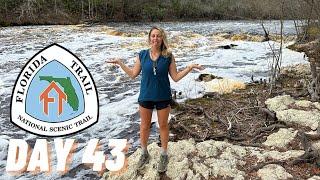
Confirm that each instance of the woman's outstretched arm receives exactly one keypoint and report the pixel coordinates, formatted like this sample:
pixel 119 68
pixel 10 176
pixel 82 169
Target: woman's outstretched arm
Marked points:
pixel 175 75
pixel 132 72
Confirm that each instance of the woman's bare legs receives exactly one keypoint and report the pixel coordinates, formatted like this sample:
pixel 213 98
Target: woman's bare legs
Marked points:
pixel 163 115
pixel 145 115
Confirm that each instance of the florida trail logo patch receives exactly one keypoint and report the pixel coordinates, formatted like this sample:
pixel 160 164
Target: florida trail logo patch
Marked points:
pixel 54 94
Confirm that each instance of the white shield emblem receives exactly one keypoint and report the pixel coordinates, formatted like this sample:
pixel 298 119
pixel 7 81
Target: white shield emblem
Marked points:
pixel 54 94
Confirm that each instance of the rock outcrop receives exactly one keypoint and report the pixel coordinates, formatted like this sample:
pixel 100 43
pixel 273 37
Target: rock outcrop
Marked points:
pixel 223 86
pixel 281 138
pixel 205 160
pixel 273 171
pixel 301 112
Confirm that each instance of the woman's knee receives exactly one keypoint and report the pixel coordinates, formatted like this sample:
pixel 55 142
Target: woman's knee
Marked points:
pixel 163 126
pixel 145 126
pixel 163 115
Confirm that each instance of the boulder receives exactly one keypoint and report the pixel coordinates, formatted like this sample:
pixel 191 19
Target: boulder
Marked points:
pixel 281 138
pixel 207 77
pixel 314 178
pixel 288 110
pixel 224 85
pixel 272 172
pixel 279 103
pixel 229 46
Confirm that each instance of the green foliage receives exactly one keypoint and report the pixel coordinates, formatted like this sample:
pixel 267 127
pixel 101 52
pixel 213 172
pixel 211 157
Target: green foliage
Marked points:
pixel 154 13
pixel 4 23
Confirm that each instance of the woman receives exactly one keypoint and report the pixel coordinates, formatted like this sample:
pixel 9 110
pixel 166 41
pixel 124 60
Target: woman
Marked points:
pixel 155 92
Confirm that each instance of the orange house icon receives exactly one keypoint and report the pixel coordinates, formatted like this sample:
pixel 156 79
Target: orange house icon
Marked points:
pixel 46 99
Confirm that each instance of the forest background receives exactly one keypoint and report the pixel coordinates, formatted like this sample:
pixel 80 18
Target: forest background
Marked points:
pixel 31 12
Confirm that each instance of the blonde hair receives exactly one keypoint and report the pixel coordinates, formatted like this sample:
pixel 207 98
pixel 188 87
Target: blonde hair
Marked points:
pixel 164 45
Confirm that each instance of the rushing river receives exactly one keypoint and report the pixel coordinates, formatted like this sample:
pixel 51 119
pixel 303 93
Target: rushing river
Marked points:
pixel 191 42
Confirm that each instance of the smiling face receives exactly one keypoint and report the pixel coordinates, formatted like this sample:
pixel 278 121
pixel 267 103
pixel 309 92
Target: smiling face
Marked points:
pixel 155 38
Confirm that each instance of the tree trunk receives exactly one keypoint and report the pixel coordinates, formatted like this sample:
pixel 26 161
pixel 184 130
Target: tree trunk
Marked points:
pixel 55 6
pixel 89 9
pixel 82 17
pixel 314 86
pixel 106 10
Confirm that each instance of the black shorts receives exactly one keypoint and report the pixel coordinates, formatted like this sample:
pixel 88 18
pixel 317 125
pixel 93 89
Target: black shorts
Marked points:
pixel 155 104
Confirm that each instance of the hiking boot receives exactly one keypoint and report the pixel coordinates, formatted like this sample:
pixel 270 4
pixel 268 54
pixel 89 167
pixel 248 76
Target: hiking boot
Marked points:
pixel 162 167
pixel 143 160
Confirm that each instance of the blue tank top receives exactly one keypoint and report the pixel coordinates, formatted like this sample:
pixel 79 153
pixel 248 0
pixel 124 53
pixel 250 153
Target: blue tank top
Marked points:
pixel 155 84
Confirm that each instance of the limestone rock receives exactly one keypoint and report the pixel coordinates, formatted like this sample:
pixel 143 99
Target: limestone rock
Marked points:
pixel 299 69
pixel 204 160
pixel 304 118
pixel 317 105
pixel 207 149
pixel 279 103
pixel 181 149
pixel 281 138
pixel 303 103
pixel 282 155
pixel 223 86
pixel 276 155
pixel 290 111
pixel 316 145
pixel 179 169
pixel 314 178
pixel 224 168
pixel 272 172
pixel 200 168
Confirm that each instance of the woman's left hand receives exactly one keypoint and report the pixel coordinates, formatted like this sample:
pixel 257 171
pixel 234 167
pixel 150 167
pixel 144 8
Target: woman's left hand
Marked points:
pixel 196 66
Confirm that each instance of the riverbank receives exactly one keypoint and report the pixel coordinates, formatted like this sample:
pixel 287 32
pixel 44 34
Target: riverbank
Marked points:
pixel 245 134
